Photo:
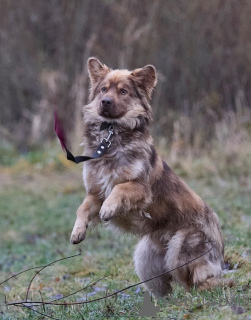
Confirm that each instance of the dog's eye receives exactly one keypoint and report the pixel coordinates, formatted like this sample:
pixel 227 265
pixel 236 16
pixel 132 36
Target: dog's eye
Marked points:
pixel 123 91
pixel 103 89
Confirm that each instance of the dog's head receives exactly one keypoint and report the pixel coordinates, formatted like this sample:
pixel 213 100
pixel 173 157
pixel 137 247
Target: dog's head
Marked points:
pixel 121 96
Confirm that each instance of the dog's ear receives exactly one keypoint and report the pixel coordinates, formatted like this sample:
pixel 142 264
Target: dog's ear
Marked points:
pixel 97 70
pixel 145 79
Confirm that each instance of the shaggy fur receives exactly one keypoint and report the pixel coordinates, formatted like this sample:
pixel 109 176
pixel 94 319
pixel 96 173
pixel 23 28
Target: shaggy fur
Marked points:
pixel 132 188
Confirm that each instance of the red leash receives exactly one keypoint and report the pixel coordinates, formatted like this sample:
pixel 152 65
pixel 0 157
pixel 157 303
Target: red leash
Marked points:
pixel 105 143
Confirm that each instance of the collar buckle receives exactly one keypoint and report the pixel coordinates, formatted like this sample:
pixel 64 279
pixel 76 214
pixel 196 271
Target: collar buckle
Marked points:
pixel 107 140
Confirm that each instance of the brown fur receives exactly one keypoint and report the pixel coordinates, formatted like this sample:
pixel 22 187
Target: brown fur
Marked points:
pixel 132 188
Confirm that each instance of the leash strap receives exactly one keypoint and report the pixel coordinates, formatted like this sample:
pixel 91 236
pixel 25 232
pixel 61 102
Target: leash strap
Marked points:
pixel 105 143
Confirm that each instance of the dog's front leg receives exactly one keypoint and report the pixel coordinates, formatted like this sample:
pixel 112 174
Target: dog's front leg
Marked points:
pixel 86 212
pixel 124 197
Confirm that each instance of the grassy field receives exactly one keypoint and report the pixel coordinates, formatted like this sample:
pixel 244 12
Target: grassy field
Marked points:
pixel 39 195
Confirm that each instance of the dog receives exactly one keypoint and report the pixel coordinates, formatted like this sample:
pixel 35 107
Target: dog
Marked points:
pixel 133 190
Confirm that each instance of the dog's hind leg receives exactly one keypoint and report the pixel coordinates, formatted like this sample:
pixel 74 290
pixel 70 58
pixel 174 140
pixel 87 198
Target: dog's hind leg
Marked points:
pixel 149 262
pixel 86 212
pixel 198 260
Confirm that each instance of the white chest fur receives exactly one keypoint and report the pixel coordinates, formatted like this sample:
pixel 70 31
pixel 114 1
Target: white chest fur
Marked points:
pixel 101 176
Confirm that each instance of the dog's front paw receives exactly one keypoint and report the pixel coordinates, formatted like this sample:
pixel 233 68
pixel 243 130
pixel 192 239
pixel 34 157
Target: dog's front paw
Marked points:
pixel 107 211
pixel 77 237
pixel 78 233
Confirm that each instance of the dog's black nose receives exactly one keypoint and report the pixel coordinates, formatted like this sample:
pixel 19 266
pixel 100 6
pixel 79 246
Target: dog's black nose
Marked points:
pixel 107 102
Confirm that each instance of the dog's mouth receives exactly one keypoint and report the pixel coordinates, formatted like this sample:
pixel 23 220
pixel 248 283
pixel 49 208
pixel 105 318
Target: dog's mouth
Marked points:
pixel 110 113
pixel 106 114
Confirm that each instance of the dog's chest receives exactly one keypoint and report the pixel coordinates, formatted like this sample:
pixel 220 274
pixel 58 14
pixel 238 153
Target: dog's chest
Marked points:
pixel 102 176
pixel 105 181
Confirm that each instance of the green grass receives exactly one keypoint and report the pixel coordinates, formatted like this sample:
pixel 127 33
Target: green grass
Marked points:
pixel 38 201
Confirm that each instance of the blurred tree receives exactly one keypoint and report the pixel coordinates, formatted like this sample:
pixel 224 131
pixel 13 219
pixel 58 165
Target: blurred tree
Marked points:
pixel 200 48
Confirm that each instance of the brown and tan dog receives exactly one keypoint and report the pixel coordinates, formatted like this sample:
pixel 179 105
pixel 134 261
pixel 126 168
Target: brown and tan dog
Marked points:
pixel 132 188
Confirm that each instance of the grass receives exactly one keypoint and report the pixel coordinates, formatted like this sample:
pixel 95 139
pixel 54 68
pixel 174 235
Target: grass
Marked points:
pixel 39 195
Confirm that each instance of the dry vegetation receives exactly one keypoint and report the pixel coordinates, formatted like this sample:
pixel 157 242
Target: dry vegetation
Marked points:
pixel 200 48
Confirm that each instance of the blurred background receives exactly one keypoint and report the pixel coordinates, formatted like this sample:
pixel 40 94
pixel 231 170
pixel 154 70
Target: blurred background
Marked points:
pixel 201 50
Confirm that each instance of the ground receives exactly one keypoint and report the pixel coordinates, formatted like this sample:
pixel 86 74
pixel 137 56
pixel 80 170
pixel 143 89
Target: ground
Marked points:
pixel 39 195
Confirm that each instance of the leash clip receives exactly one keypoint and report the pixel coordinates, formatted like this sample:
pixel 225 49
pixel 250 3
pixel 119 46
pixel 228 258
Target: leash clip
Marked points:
pixel 107 140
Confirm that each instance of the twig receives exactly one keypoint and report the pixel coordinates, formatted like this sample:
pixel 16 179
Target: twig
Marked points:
pixel 17 274
pixel 27 293
pixel 80 315
pixel 42 314
pixel 29 269
pixel 115 293
pixel 5 300
pixel 80 289
pixel 42 300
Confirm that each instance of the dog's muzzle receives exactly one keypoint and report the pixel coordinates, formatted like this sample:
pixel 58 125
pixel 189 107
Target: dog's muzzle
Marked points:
pixel 106 107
